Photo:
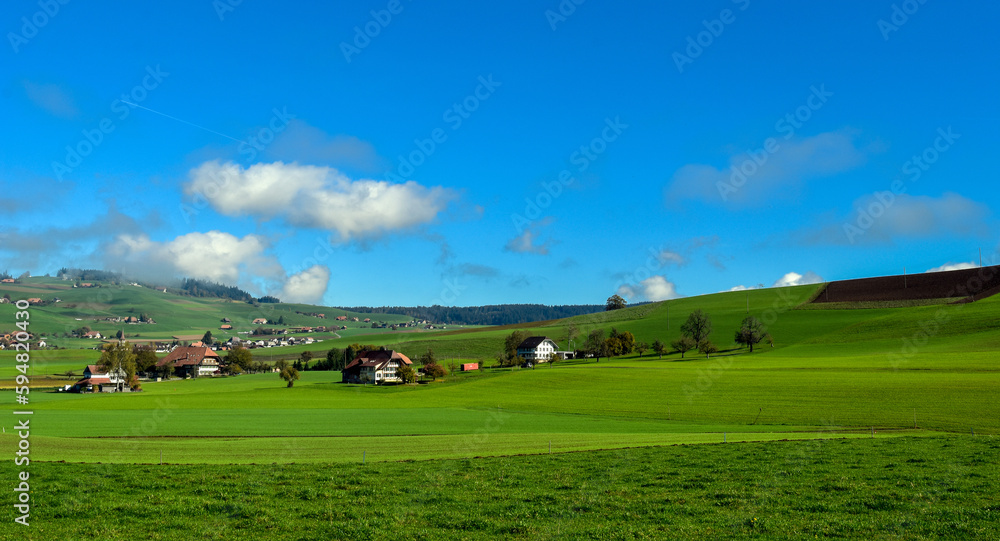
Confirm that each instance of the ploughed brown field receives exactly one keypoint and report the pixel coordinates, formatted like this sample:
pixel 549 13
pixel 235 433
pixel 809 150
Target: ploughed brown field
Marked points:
pixel 960 285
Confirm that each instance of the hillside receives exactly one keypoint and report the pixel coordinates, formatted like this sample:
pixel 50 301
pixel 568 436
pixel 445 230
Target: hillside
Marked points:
pixel 964 285
pixel 66 308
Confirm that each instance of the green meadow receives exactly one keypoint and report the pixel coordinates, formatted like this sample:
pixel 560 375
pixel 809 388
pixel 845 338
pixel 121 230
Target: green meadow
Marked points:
pixel 888 413
pixel 892 488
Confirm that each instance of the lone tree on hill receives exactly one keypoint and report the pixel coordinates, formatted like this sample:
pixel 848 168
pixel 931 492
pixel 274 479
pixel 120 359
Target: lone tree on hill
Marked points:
pixel 698 326
pixel 751 332
pixel 289 374
pixel 684 344
pixel 615 302
pixel 659 347
pixel 642 347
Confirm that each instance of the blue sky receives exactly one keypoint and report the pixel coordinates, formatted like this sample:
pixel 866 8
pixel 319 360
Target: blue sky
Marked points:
pixel 416 153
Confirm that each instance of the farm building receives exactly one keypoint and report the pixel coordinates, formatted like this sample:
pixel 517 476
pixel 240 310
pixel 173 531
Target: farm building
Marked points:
pixel 537 349
pixel 226 327
pixel 260 321
pixel 96 380
pixel 376 367
pixel 93 334
pixel 193 361
pixel 469 366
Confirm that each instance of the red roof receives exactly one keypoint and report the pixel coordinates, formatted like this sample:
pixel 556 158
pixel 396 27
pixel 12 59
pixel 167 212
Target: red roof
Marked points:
pixel 189 355
pixel 93 381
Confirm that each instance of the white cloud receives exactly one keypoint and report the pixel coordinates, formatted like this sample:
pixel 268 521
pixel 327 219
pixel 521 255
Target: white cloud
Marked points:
pixel 654 288
pixel 796 279
pixel 214 256
pixel 317 197
pixel 740 288
pixel 750 177
pixel 953 266
pixel 883 217
pixel 308 286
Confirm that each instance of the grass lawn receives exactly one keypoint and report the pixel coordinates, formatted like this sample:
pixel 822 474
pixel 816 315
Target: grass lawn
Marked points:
pixel 892 488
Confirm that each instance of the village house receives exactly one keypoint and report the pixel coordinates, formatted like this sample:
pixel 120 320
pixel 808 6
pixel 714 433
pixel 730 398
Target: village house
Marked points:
pixel 93 334
pixel 7 281
pixel 193 361
pixel 377 367
pixel 260 321
pixel 226 327
pixel 95 380
pixel 537 349
pixel 34 300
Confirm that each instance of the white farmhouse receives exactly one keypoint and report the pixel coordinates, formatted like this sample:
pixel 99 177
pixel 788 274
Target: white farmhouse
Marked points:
pixel 537 349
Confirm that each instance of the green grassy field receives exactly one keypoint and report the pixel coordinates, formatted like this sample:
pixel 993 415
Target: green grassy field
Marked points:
pixel 894 488
pixel 923 375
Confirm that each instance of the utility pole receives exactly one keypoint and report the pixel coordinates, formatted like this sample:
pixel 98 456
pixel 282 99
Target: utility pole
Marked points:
pixel 904 277
pixel 980 256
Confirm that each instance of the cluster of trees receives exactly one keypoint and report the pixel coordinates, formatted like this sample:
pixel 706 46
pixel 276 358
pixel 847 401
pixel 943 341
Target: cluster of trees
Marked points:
pixel 240 360
pixel 429 366
pixel 88 275
pixel 615 344
pixel 496 314
pixel 201 288
pixel 697 327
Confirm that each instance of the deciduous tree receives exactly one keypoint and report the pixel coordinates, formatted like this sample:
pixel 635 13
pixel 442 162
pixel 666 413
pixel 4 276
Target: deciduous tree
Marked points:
pixel 751 332
pixel 118 357
pixel 615 302
pixel 684 344
pixel 698 326
pixel 289 374
pixel 659 347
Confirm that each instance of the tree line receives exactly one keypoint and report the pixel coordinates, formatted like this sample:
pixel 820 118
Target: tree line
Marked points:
pixel 494 314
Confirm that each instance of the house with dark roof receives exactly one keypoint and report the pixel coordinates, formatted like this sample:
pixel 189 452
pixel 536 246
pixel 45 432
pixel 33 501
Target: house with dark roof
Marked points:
pixel 537 349
pixel 377 367
pixel 193 361
pixel 96 380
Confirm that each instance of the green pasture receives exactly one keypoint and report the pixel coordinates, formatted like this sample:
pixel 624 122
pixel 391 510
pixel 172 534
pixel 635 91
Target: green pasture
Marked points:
pixel 893 488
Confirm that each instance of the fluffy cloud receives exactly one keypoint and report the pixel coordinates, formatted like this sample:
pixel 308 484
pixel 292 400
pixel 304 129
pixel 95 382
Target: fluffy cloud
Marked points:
pixel 883 217
pixel 751 176
pixel 316 197
pixel 796 279
pixel 215 256
pixel 953 266
pixel 308 286
pixel 654 288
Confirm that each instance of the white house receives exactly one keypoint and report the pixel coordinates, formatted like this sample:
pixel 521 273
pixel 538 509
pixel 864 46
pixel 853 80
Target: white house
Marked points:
pixel 94 378
pixel 376 367
pixel 537 349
